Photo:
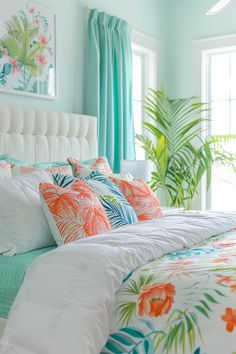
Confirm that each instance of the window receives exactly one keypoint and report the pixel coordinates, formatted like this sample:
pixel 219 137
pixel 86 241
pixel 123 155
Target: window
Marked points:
pixel 219 86
pixel 144 61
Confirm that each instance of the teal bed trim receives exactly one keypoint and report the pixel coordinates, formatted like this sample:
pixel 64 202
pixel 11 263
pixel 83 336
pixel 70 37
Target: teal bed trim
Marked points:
pixel 12 272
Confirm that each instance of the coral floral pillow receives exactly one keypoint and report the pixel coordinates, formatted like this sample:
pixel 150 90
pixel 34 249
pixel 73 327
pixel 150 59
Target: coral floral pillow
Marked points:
pixel 73 213
pixel 140 197
pixel 100 164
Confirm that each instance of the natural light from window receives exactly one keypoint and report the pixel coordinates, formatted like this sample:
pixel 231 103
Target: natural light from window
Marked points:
pixel 138 99
pixel 144 62
pixel 221 92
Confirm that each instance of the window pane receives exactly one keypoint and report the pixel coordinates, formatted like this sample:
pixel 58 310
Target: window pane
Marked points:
pixel 137 114
pixel 220 118
pixel 140 153
pixel 233 118
pixel 220 68
pixel 233 76
pixel 138 128
pixel 223 188
pixel 137 77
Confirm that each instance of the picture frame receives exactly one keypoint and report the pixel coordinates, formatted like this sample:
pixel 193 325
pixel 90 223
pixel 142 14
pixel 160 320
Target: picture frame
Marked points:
pixel 28 50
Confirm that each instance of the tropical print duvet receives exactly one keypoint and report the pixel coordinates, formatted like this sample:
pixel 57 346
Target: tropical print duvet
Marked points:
pixel 183 302
pixel 164 286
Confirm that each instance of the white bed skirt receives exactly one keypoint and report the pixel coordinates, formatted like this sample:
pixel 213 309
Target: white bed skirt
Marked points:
pixel 2 325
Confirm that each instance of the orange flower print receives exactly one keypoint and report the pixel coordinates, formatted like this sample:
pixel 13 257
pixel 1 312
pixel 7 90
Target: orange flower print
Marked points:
pixel 225 279
pixel 156 300
pixel 233 288
pixel 230 318
pixel 43 40
pixel 41 59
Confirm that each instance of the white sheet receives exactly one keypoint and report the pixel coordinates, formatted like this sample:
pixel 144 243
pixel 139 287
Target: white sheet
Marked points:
pixel 68 296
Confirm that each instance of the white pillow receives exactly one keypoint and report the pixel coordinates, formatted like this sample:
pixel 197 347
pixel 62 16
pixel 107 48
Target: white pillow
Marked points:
pixel 5 170
pixel 23 226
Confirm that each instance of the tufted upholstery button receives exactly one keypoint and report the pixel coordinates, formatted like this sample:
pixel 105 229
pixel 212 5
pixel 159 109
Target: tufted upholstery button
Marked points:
pixel 38 136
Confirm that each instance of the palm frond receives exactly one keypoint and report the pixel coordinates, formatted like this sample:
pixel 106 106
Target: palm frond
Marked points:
pixel 180 155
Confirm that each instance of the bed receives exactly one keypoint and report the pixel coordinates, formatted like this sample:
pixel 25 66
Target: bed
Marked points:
pixel 163 286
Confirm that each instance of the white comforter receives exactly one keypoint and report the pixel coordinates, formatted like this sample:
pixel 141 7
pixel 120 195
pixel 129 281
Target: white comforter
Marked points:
pixel 68 296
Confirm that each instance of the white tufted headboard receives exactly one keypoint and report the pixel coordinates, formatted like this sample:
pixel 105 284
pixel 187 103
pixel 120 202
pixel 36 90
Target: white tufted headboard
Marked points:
pixel 40 136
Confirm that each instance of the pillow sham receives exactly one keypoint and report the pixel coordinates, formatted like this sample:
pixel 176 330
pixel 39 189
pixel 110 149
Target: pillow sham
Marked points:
pixel 20 170
pixel 100 164
pixel 5 169
pixel 141 197
pixel 73 213
pixel 20 167
pixel 23 226
pixel 18 162
pixel 117 208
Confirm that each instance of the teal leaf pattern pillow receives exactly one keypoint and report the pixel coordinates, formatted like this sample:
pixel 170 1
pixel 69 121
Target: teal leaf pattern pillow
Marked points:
pixel 118 210
pixel 64 181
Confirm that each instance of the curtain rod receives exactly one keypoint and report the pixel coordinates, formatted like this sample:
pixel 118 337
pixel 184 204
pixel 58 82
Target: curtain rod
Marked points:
pixel 87 8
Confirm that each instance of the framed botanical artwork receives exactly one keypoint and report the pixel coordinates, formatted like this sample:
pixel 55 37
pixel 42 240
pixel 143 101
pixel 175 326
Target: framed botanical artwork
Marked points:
pixel 27 50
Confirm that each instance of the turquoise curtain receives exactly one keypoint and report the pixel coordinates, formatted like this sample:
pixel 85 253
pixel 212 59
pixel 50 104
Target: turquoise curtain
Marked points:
pixel 109 85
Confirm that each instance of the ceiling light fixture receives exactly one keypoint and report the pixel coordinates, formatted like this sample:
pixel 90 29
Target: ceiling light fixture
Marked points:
pixel 220 6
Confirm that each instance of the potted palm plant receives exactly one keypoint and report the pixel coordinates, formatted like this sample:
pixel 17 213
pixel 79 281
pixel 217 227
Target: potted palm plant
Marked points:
pixel 176 146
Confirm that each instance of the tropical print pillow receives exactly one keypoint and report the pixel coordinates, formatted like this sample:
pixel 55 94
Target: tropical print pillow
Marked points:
pixel 117 208
pixel 5 169
pixel 141 198
pixel 100 164
pixel 73 213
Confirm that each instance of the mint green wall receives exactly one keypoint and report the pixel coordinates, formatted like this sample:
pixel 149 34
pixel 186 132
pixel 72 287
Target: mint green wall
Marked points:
pixel 187 21
pixel 143 15
pixel 176 23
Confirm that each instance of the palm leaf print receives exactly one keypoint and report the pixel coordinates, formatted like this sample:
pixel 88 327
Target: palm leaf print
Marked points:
pixel 99 177
pixel 117 214
pixel 64 181
pixel 118 210
pixel 111 198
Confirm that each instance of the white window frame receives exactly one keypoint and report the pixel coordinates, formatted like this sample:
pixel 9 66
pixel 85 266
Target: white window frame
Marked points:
pixel 149 49
pixel 202 48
